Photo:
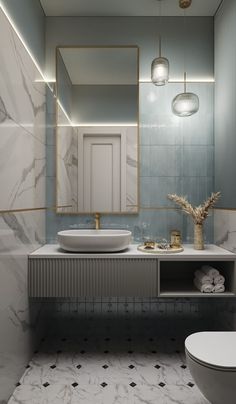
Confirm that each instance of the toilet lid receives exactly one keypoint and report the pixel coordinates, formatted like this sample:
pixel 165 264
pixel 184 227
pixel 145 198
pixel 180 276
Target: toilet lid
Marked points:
pixel 213 348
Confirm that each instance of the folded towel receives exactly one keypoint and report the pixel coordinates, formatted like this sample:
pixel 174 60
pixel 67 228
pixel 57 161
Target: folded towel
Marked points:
pixel 219 288
pixel 219 280
pixel 210 271
pixel 202 277
pixel 204 288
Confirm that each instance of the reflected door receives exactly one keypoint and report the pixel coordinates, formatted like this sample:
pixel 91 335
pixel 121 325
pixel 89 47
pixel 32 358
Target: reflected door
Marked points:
pixel 102 174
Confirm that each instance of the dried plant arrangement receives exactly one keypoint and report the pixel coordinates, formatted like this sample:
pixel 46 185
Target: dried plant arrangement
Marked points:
pixel 198 214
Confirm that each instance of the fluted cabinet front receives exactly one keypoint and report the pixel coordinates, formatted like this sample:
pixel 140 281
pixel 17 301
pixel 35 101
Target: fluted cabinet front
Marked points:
pixel 92 277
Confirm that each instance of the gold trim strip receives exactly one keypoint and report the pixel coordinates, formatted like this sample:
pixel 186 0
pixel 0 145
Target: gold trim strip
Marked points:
pixel 57 50
pixel 2 212
pixel 230 209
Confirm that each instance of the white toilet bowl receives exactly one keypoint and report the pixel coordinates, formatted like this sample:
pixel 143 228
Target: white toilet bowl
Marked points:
pixel 211 358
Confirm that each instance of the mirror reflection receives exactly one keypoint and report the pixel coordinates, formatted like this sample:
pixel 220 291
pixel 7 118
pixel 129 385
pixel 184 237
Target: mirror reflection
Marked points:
pixel 97 129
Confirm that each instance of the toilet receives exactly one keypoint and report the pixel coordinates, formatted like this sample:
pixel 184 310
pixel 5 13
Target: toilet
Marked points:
pixel 211 358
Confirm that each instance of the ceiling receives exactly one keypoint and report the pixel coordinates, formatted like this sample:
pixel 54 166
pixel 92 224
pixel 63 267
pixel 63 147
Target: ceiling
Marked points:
pixel 116 8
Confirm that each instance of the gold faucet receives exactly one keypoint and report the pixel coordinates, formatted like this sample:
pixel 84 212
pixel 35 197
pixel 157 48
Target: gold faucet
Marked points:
pixel 97 221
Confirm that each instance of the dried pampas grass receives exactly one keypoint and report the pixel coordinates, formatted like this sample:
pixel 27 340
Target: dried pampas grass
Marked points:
pixel 198 213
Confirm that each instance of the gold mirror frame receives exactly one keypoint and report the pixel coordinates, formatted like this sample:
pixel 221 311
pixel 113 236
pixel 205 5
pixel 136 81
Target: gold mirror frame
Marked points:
pixel 57 103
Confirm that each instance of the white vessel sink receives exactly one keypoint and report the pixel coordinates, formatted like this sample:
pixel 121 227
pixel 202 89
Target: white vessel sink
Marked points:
pixel 94 240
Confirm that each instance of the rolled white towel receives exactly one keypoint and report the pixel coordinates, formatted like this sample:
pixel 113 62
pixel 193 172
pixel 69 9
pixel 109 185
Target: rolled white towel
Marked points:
pixel 210 271
pixel 219 280
pixel 220 288
pixel 204 288
pixel 202 277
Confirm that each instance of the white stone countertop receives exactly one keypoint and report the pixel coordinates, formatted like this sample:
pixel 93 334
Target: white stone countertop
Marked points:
pixel 211 252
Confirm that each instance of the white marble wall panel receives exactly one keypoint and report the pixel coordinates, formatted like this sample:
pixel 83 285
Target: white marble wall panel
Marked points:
pixel 20 234
pixel 22 95
pixel 225 229
pixel 132 169
pixel 22 125
pixel 225 236
pixel 22 184
pixel 67 168
pixel 22 167
pixel 74 169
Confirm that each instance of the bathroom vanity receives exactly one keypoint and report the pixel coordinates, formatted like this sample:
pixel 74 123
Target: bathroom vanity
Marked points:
pixel 53 273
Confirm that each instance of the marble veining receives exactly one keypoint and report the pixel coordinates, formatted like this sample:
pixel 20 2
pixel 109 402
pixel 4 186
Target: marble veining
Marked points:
pixel 102 361
pixel 225 229
pixel 22 183
pixel 67 167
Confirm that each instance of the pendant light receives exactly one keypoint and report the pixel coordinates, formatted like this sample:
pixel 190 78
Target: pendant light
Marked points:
pixel 160 65
pixel 185 104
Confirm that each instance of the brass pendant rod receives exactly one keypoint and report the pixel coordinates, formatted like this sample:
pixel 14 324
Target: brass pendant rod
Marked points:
pixel 159 45
pixel 185 84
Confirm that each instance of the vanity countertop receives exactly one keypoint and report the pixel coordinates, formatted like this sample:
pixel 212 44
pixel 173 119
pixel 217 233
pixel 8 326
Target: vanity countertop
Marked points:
pixel 211 252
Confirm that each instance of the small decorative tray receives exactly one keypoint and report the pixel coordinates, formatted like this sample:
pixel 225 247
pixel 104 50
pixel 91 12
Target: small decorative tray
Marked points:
pixel 157 250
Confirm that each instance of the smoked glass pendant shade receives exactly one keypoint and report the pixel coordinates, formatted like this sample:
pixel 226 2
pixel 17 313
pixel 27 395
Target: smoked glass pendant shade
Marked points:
pixel 160 71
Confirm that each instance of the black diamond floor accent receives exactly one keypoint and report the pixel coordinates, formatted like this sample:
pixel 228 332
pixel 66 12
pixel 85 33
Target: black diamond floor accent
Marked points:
pixel 150 339
pixel 46 384
pixel 130 352
pixel 133 384
pixel 59 352
pixel 82 352
pixel 64 339
pixel 190 384
pixel 85 339
pixel 131 366
pixel 162 384
pixel 53 366
pixel 157 366
pixel 173 339
pixel 35 352
pixel 103 384
pixel 183 366
pixel 154 351
pixel 74 384
pixel 107 339
pixel 79 366
pixel 105 366
pixel 106 351
pixel 129 339
pixel 177 351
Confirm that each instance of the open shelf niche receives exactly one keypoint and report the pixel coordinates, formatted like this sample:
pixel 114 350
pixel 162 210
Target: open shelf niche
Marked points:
pixel 176 278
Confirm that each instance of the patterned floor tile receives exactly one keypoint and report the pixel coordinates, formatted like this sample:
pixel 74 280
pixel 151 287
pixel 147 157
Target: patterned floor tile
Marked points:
pixel 130 365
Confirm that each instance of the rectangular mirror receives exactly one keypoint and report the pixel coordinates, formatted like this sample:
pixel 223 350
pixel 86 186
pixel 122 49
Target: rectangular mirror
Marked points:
pixel 97 129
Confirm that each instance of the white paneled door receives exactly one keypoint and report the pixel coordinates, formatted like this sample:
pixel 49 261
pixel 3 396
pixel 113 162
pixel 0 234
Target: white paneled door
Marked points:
pixel 102 173
pixel 102 176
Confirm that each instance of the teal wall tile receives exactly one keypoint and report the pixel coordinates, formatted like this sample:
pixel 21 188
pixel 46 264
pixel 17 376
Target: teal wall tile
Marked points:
pixel 154 190
pixel 196 189
pixel 176 154
pixel 198 161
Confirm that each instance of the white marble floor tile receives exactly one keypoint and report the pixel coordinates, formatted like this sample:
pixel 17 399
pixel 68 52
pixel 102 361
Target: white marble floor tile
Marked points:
pixel 131 369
